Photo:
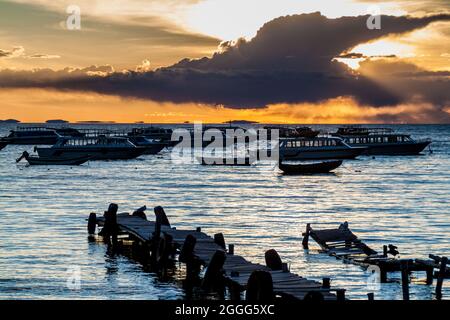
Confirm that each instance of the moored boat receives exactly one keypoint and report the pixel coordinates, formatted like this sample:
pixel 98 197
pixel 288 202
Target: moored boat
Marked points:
pixel 99 148
pixel 151 147
pixel 162 135
pixel 39 135
pixel 292 132
pixel 310 168
pixel 382 141
pixel 60 161
pixel 318 149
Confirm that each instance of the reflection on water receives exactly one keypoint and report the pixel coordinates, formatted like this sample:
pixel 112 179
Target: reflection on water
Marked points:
pixel 398 200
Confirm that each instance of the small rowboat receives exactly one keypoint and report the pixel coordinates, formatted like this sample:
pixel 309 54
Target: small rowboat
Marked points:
pixel 224 161
pixel 55 161
pixel 310 168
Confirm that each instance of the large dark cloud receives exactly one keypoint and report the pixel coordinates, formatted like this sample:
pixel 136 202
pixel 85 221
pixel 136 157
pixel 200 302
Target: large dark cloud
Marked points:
pixel 290 60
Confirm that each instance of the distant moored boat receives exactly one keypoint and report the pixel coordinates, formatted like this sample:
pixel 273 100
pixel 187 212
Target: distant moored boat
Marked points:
pixel 318 149
pixel 382 141
pixel 99 148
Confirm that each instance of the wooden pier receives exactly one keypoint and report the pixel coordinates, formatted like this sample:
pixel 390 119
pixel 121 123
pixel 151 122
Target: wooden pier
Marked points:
pixel 162 243
pixel 342 244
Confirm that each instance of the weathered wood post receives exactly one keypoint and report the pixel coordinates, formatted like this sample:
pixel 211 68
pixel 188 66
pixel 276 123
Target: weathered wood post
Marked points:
pixel 385 251
pixel 213 278
pixel 371 296
pixel 441 276
pixel 326 283
pixel 273 260
pixel 140 213
pixel 187 256
pixel 220 240
pixel 306 237
pixel 155 240
pixel 430 275
pixel 260 287
pixel 405 279
pixel 92 223
pixel 231 249
pixel 340 294
pixel 199 229
pixel 159 212
pixel 110 228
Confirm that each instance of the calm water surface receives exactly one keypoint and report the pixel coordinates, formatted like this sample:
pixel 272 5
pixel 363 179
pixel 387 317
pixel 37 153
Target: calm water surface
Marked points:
pixel 400 200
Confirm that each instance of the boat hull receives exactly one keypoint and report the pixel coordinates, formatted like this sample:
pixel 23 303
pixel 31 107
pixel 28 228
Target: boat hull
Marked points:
pixel 94 153
pixel 321 153
pixel 310 168
pixel 56 161
pixel 152 149
pixel 402 149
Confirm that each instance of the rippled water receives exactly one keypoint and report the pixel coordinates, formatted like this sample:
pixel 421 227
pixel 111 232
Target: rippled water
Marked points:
pixel 398 200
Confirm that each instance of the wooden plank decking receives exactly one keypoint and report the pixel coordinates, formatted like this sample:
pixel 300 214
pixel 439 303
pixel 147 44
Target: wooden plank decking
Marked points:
pixel 236 269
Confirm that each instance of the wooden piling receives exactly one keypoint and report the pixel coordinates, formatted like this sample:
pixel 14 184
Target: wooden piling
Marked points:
pixel 326 283
pixel 385 251
pixel 340 294
pixel 161 214
pixel 231 249
pixel 306 237
pixel 260 287
pixel 430 275
pixel 140 213
pixel 92 224
pixel 405 279
pixel 441 276
pixel 110 229
pixel 273 260
pixel 213 274
pixel 220 240
pixel 371 296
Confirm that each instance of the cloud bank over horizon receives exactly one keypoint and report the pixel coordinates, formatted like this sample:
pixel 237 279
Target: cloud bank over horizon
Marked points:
pixel 291 60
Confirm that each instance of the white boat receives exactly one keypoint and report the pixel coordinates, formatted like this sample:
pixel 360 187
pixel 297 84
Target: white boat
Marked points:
pixel 318 149
pixel 382 141
pixel 99 148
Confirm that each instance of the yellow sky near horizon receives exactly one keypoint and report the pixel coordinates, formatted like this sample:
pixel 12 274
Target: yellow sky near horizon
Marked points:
pixel 39 105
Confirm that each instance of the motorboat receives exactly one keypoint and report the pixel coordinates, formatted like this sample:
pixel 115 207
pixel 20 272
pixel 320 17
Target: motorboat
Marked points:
pixel 292 132
pixel 162 135
pixel 98 148
pixel 39 135
pixel 309 168
pixel 318 148
pixel 151 147
pixel 60 161
pixel 382 141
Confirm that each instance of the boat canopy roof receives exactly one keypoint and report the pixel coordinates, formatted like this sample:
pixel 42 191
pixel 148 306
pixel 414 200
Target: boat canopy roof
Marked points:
pixel 100 140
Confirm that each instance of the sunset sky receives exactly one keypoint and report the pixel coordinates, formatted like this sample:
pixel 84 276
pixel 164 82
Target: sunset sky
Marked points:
pixel 283 61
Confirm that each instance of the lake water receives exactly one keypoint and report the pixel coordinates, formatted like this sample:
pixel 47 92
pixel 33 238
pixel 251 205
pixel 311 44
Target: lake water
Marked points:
pixel 400 200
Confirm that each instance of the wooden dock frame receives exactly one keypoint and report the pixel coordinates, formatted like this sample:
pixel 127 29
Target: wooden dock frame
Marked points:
pixel 161 243
pixel 342 244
